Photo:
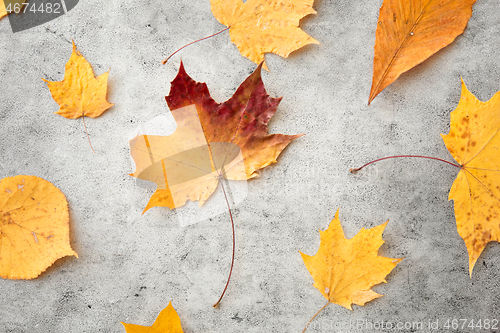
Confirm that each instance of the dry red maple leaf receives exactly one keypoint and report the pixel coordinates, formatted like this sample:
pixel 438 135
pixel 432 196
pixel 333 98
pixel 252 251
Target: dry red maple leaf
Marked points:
pixel 345 270
pixel 212 141
pixel 410 31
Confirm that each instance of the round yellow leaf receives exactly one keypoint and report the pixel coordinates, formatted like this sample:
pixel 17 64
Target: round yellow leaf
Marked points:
pixel 34 226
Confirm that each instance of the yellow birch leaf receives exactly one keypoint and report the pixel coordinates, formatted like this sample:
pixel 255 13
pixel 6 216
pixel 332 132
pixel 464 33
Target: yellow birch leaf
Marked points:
pixel 3 11
pixel 34 226
pixel 80 93
pixel 168 321
pixel 257 27
pixel 345 270
pixel 474 142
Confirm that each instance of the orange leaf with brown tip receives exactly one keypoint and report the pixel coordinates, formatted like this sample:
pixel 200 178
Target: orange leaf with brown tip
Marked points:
pixel 34 226
pixel 410 31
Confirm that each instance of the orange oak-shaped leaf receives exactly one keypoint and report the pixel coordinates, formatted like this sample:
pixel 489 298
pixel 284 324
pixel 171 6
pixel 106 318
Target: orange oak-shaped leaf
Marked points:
pixel 410 31
pixel 34 226
pixel 80 94
pixel 344 270
pixel 474 142
pixel 212 141
pixel 257 27
pixel 168 321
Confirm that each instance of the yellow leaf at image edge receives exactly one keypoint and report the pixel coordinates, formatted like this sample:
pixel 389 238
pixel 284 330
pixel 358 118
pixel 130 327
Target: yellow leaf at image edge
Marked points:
pixel 3 10
pixel 344 270
pixel 80 93
pixel 474 142
pixel 34 226
pixel 167 321
pixel 257 27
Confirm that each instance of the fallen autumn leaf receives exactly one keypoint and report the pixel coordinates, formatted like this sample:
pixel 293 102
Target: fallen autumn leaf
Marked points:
pixel 34 226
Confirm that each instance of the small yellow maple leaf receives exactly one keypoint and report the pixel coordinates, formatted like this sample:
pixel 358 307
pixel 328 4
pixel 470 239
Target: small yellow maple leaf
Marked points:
pixel 34 226
pixel 168 321
pixel 257 27
pixel 80 93
pixel 344 270
pixel 474 142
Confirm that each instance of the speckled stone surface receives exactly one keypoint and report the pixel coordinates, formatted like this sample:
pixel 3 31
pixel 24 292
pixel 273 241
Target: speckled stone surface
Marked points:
pixel 131 265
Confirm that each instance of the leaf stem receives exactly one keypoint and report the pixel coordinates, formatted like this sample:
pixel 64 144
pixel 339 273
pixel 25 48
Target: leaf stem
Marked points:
pixel 86 132
pixel 198 40
pixel 324 306
pixel 397 156
pixel 232 259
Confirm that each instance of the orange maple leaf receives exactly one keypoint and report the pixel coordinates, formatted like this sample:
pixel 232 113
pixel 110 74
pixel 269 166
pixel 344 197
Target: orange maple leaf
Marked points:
pixel 410 31
pixel 212 141
pixel 345 270
pixel 474 142
pixel 168 321
pixel 257 27
pixel 34 226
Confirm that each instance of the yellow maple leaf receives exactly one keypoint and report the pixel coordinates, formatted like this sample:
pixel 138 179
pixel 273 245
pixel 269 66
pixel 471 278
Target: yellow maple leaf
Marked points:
pixel 257 27
pixel 344 270
pixel 80 93
pixel 474 141
pixel 34 226
pixel 168 321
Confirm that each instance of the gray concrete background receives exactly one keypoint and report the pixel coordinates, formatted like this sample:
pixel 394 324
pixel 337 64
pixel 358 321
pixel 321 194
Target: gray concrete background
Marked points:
pixel 130 266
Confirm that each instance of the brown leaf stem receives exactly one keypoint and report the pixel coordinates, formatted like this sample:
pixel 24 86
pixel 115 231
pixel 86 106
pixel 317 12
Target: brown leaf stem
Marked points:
pixel 354 170
pixel 86 132
pixel 324 306
pixel 232 259
pixel 198 40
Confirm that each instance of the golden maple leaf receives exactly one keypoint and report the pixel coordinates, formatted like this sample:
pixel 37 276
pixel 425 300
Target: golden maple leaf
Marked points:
pixel 34 226
pixel 168 321
pixel 80 93
pixel 410 31
pixel 344 270
pixel 257 27
pixel 474 142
